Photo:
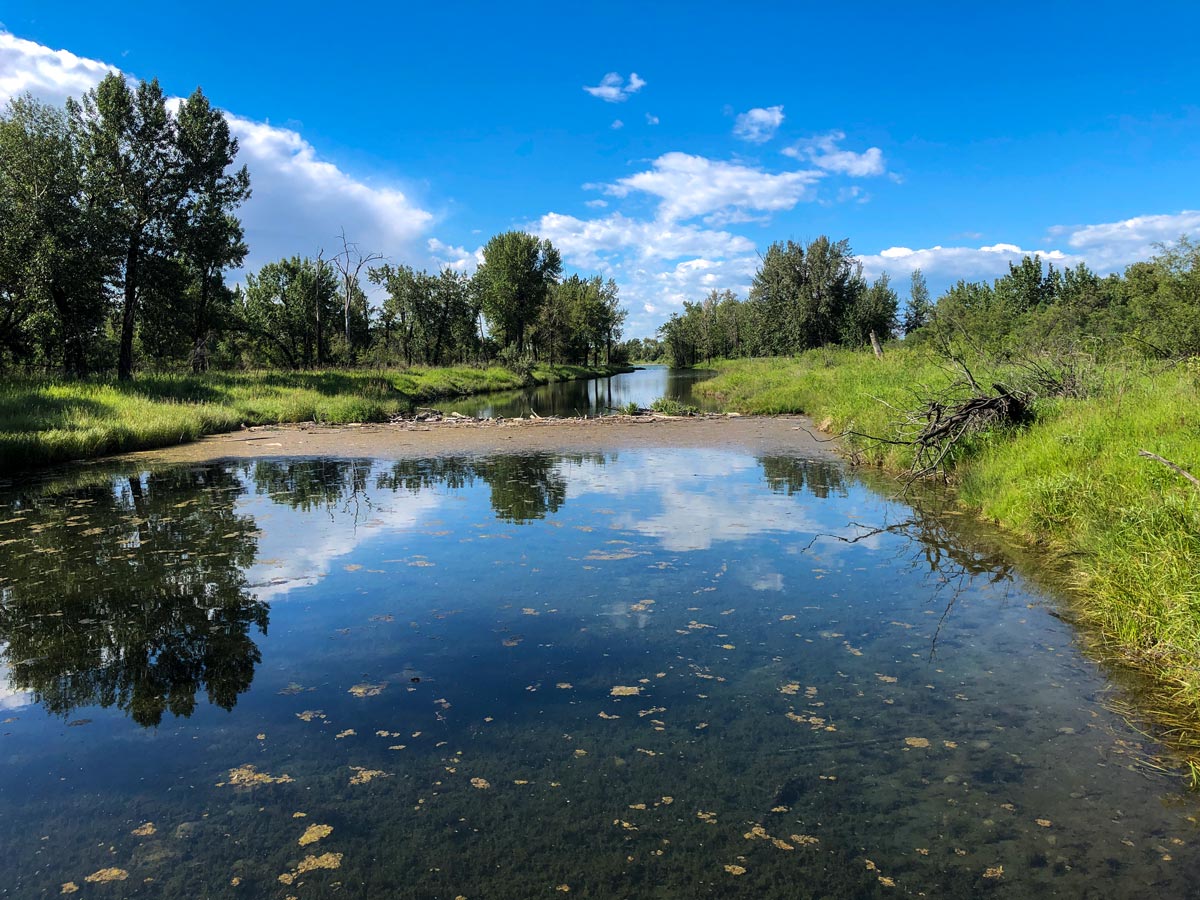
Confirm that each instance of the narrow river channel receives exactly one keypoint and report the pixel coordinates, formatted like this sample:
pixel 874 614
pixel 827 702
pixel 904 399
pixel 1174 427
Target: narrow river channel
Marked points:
pixel 650 673
pixel 593 397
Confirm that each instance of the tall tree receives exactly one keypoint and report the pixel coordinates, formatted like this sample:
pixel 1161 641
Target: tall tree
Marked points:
pixel 284 306
pixel 517 271
pixel 206 231
pixel 350 263
pixel 54 259
pixel 920 308
pixel 131 165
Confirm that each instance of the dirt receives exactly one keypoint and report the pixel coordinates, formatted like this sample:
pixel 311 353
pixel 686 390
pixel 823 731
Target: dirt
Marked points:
pixel 782 434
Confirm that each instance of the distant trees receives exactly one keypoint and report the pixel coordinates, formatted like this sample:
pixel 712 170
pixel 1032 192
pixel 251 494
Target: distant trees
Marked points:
pixel 802 296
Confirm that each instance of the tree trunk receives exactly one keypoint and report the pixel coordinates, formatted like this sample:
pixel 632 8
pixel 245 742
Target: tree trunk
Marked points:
pixel 128 313
pixel 199 338
pixel 875 345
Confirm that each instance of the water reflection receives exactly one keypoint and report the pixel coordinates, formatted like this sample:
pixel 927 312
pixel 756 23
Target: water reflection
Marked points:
pixel 131 594
pixel 692 669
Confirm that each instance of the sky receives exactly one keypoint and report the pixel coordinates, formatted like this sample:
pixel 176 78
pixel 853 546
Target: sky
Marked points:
pixel 667 145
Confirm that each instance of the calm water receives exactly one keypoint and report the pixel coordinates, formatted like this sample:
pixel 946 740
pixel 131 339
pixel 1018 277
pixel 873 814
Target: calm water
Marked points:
pixel 595 397
pixel 663 674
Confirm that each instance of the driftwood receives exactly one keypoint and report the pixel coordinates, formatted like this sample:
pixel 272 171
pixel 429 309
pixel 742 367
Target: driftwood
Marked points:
pixel 942 424
pixel 1178 470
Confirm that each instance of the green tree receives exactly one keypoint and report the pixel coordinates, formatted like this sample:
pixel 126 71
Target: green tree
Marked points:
pixel 517 272
pixel 131 165
pixel 206 232
pixel 919 308
pixel 285 308
pixel 54 258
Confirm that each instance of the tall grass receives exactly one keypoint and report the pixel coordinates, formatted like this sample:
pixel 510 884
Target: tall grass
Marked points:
pixel 46 421
pixel 1127 528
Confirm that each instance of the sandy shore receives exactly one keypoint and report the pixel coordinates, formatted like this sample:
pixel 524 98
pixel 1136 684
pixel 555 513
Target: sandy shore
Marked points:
pixel 793 435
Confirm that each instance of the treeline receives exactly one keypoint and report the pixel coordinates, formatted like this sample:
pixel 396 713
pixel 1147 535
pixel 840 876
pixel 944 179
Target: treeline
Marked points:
pixel 1152 308
pixel 118 224
pixel 815 296
pixel 802 296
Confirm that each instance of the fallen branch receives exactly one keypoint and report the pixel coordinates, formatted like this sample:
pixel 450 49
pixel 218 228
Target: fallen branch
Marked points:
pixel 1178 470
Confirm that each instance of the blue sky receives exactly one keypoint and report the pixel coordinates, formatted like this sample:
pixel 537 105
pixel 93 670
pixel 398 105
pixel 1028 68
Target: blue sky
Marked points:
pixel 950 136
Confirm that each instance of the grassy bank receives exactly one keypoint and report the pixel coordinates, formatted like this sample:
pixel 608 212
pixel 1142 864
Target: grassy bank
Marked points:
pixel 45 421
pixel 1127 527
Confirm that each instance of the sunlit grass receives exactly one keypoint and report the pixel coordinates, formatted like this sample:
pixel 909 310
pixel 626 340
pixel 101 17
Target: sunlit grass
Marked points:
pixel 46 421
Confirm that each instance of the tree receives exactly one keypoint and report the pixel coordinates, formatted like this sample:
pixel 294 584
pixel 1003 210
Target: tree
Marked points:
pixel 284 308
pixel 518 270
pixel 350 262
pixel 873 311
pixel 131 166
pixel 54 259
pixel 206 232
pixel 919 308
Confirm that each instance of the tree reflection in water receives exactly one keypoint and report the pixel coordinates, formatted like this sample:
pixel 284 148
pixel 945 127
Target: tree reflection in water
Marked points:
pixel 131 593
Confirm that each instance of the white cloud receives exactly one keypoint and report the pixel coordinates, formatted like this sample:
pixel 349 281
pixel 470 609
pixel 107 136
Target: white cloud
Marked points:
pixel 758 125
pixel 617 125
pixel 50 75
pixel 299 202
pixel 614 89
pixel 596 204
pixel 688 186
pixel 1104 247
pixel 1112 245
pixel 586 242
pixel 459 259
pixel 956 262
pixel 651 120
pixel 823 152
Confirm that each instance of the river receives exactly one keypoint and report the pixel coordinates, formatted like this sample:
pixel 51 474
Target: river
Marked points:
pixel 655 673
pixel 591 397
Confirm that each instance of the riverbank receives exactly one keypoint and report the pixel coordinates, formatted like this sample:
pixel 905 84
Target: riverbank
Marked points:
pixel 1127 528
pixel 48 421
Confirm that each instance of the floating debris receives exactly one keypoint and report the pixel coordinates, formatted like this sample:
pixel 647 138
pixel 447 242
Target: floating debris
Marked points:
pixel 70 887
pixel 349 732
pixel 314 833
pixel 735 869
pixel 919 742
pixel 564 685
pixel 994 872
pixel 625 691
pixel 312 864
pixel 249 776
pixel 707 817
pixel 309 714
pixel 104 876
pixel 368 690
pixel 480 783
pixel 362 776
pixel 144 830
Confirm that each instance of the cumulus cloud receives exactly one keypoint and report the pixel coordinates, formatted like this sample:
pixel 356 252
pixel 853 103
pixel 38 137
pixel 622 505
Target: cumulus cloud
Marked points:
pixel 651 120
pixel 688 186
pixel 586 242
pixel 1112 245
pixel 299 202
pixel 1104 247
pixel 459 259
pixel 617 125
pixel 50 75
pixel 824 153
pixel 957 262
pixel 758 125
pixel 615 89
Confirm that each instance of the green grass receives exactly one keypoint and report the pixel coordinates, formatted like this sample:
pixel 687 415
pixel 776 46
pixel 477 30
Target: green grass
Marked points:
pixel 45 421
pixel 1127 528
